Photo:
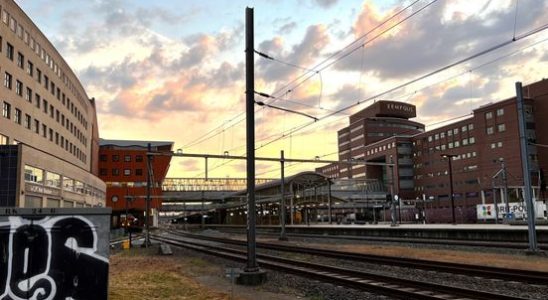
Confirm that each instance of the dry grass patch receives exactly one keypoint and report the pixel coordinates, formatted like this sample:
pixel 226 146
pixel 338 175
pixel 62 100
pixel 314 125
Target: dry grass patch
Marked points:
pixel 138 274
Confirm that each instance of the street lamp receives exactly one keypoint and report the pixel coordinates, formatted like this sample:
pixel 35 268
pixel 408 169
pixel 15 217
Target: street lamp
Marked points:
pixel 449 158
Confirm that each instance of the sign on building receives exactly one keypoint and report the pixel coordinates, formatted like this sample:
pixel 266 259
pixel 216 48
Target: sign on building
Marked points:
pixel 517 210
pixel 54 253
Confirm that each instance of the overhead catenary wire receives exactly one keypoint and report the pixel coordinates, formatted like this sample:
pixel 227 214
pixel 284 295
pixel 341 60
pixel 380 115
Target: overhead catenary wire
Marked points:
pixel 284 88
pixel 438 82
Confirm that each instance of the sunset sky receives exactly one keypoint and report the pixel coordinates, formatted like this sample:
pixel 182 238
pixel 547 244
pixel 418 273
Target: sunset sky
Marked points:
pixel 174 70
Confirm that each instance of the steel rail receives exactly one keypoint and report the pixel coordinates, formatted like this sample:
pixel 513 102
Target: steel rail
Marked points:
pixel 528 276
pixel 387 285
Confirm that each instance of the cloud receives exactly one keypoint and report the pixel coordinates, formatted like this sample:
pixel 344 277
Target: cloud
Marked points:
pixel 301 54
pixel 325 3
pixel 413 48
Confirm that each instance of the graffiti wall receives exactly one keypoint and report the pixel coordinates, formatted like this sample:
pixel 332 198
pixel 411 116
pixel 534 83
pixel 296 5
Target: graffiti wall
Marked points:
pixel 54 253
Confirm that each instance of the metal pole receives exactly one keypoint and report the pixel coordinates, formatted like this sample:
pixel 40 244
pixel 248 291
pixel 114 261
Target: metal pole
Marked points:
pixel 329 204
pixel 526 173
pixel 392 198
pixel 495 203
pixel 202 221
pixel 292 192
pixel 147 204
pixel 505 181
pixel 450 158
pixel 250 140
pixel 283 236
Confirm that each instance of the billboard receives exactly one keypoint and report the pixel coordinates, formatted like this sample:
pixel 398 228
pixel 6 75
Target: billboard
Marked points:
pixel 54 253
pixel 518 210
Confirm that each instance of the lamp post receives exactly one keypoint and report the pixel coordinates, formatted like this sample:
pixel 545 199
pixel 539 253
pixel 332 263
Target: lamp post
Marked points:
pixel 449 159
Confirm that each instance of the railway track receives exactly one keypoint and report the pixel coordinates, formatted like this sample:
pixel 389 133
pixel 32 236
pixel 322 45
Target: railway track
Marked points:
pixel 534 277
pixel 375 283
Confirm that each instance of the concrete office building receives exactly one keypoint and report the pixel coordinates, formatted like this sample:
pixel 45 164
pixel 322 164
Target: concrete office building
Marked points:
pixel 48 128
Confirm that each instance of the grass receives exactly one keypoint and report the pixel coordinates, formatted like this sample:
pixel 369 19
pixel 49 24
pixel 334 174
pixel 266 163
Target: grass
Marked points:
pixel 140 274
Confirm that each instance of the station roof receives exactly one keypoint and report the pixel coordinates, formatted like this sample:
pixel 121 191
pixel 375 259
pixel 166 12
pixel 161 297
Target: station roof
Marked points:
pixel 307 178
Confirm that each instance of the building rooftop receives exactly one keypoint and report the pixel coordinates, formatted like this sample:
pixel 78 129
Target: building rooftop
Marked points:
pixel 133 143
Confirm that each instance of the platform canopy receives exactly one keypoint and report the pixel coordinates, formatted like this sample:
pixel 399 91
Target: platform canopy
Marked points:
pixel 299 185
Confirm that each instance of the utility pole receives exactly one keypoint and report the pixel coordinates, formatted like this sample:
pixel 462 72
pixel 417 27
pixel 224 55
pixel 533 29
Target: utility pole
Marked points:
pixel 452 196
pixel 533 247
pixel 505 191
pixel 252 275
pixel 147 204
pixel 283 236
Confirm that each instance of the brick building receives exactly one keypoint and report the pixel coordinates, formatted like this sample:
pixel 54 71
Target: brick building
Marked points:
pixel 123 166
pixel 483 147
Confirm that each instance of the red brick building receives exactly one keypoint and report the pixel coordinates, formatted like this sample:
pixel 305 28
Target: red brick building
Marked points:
pixel 123 166
pixel 480 144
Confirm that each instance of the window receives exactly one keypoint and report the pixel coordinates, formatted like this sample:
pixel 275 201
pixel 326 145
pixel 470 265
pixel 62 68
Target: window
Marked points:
pixel 115 172
pixel 470 126
pixel 488 115
pixel 36 126
pixel 4 140
pixel 115 157
pixel 6 110
pixel 51 135
pixel 37 100
pixel 127 158
pixel 28 95
pixel 127 172
pixel 46 82
pixel 139 158
pixel 139 172
pixel 472 140
pixel 20 60
pixel 19 88
pixel 103 172
pixel 9 51
pixel 455 131
pixel 7 80
pixel 501 127
pixel 103 157
pixel 464 128
pixel 30 68
pixel 500 112
pixel 27 121
pixel 465 142
pixel 490 130
pixel 449 132
pixel 44 130
pixel 499 144
pixel 38 75
pixel 17 116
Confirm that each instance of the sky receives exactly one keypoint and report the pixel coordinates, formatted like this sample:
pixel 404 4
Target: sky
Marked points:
pixel 175 70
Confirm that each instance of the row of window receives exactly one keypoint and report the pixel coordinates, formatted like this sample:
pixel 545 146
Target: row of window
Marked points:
pixel 450 132
pixel 25 36
pixel 35 125
pixel 456 157
pixel 116 158
pixel 51 179
pixel 59 116
pixel 500 128
pixel 499 112
pixel 116 172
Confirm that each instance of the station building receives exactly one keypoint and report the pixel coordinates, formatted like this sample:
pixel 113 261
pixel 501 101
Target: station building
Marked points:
pixel 484 151
pixel 49 140
pixel 123 166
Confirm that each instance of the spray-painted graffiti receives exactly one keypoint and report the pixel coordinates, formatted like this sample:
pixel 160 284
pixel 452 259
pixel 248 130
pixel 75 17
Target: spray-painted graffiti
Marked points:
pixel 51 257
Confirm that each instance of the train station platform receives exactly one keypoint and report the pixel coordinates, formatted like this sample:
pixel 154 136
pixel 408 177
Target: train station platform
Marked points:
pixel 502 233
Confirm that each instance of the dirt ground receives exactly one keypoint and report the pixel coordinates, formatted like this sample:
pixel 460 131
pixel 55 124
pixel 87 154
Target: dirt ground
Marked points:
pixel 144 274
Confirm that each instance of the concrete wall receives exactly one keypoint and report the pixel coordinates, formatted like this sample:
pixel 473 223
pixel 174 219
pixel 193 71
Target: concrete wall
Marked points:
pixel 54 253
